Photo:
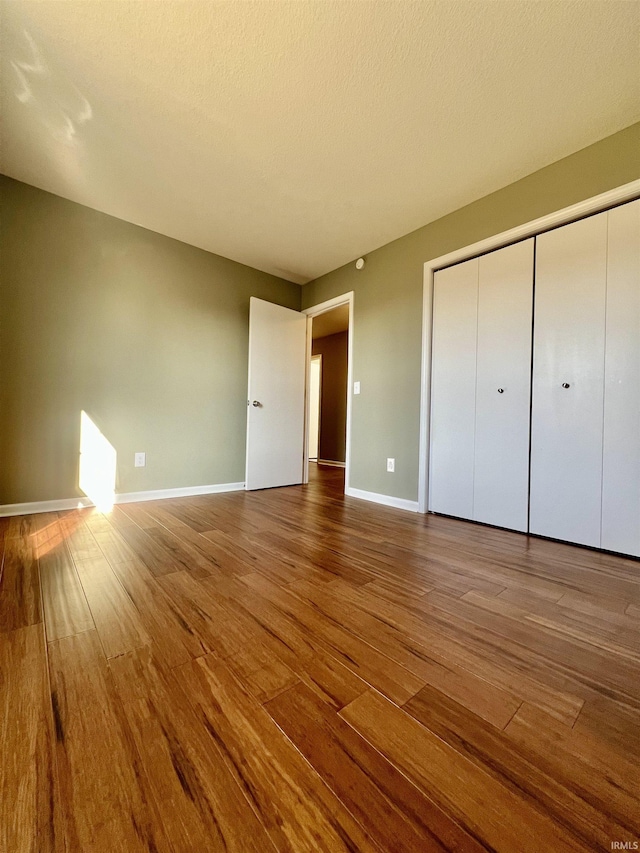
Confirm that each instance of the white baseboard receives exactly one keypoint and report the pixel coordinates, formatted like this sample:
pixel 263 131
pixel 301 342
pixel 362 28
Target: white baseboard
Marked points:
pixel 385 500
pixel 189 491
pixel 43 506
pixel 331 463
pixel 124 498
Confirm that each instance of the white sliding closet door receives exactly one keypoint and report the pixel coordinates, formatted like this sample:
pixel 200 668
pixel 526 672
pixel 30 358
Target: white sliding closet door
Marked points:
pixel 503 387
pixel 568 382
pixel 621 457
pixel 453 389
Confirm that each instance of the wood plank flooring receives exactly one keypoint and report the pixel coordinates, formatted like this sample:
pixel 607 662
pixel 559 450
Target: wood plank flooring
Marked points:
pixel 293 670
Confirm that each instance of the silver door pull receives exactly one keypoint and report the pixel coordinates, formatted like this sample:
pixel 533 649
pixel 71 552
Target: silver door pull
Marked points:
pixel 566 385
pixel 256 403
pixel 500 390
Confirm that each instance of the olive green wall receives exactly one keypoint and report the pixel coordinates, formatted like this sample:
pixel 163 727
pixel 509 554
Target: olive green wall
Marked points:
pixel 388 302
pixel 333 395
pixel 149 336
pixel 146 334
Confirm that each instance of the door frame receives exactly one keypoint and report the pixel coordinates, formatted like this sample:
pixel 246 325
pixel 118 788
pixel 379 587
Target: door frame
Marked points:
pixel 315 311
pixel 596 204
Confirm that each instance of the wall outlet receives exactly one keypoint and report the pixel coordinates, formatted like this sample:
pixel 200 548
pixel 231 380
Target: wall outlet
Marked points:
pixel 356 387
pixel 391 465
pixel 140 460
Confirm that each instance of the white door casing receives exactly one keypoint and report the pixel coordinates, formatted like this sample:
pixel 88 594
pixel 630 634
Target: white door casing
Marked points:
pixel 316 311
pixel 276 398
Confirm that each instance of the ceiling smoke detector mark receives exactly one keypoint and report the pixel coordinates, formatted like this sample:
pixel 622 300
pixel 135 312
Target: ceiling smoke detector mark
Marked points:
pixel 360 263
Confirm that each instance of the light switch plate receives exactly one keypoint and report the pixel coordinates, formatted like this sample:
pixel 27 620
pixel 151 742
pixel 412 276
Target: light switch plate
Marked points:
pixel 140 460
pixel 356 387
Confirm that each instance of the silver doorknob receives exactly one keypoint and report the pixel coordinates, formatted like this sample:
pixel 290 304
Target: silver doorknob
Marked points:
pixel 566 385
pixel 256 403
pixel 500 390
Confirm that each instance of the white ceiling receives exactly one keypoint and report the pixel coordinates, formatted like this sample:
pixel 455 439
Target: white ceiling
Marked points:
pixel 296 136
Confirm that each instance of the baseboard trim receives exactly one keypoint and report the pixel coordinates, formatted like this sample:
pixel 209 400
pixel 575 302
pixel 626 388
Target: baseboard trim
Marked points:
pixel 124 498
pixel 331 463
pixel 385 500
pixel 188 492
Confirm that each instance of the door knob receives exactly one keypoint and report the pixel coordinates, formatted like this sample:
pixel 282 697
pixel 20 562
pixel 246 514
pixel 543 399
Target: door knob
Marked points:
pixel 566 385
pixel 500 390
pixel 257 403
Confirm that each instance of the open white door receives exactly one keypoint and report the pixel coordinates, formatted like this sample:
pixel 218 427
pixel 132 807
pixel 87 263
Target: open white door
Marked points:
pixel 275 414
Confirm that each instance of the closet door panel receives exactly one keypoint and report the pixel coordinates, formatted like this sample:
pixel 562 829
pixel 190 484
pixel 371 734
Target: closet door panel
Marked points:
pixel 621 457
pixel 453 389
pixel 567 422
pixel 503 386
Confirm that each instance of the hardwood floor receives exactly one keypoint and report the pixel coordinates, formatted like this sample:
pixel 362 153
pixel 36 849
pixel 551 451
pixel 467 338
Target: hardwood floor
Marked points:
pixel 293 670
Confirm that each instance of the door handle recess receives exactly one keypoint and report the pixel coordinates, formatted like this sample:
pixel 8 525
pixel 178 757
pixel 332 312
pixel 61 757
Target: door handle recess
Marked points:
pixel 257 403
pixel 500 390
pixel 566 385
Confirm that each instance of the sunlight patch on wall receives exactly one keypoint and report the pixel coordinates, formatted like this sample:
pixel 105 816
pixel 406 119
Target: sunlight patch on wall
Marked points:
pixel 97 465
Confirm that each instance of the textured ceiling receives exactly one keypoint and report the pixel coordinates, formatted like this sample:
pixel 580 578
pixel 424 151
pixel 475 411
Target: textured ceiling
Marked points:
pixel 331 322
pixel 296 136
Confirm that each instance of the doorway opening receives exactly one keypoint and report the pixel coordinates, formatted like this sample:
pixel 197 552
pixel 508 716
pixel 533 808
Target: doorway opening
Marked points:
pixel 329 337
pixel 315 406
